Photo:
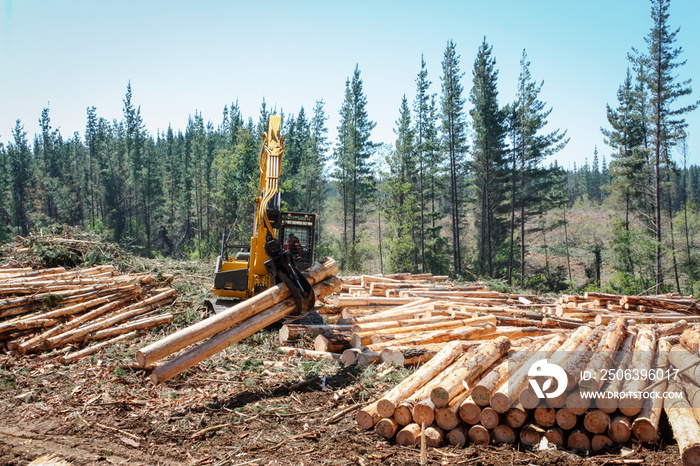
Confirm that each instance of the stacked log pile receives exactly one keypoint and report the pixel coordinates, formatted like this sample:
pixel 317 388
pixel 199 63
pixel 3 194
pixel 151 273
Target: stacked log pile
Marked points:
pixel 216 333
pixel 46 309
pixel 478 351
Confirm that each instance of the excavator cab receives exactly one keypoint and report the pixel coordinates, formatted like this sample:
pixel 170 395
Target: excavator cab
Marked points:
pixel 281 247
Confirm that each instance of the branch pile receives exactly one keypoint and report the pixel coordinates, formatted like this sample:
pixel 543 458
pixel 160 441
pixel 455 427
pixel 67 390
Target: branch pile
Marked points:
pixel 42 310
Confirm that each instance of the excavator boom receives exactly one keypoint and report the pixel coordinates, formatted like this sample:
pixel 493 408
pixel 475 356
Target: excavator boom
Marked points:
pixel 269 261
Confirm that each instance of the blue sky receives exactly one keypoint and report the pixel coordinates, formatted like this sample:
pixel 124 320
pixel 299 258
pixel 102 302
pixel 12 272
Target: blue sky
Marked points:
pixel 184 56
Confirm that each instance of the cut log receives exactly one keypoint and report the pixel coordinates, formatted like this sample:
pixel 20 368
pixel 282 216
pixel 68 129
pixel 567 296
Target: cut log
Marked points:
pixel 641 361
pixel 291 332
pixel 682 358
pixel 407 355
pixel 140 324
pixel 440 336
pixel 484 357
pixel 508 393
pixel 555 435
pixel 469 411
pixel 97 347
pixel 332 344
pixel 489 418
pixel 228 318
pixel 349 356
pixel 516 416
pixel 444 358
pixel 503 434
pixel 434 436
pixel 367 337
pixel 596 421
pixel 408 435
pixel 528 398
pixel 675 328
pixel 620 429
pixel 458 436
pixel 235 334
pixel 566 419
pixel 308 354
pixel 545 416
pixel 531 434
pixel 604 357
pixel 579 440
pixel 685 427
pixel 368 416
pixel 690 339
pixel 386 427
pixel 447 417
pixel 578 361
pixel 424 411
pixel 404 411
pixel 600 442
pixel 481 392
pixel 646 424
pixel 608 403
pixel 479 435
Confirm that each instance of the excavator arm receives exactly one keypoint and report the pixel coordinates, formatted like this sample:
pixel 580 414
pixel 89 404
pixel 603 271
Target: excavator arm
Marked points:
pixel 268 263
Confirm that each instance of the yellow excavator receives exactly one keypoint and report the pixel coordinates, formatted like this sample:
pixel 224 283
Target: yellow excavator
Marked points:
pixel 282 244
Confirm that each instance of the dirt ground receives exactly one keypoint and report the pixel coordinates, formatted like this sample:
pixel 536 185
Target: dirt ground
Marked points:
pixel 248 405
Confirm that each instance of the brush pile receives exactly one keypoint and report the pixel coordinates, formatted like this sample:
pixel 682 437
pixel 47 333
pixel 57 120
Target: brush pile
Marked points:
pixel 78 311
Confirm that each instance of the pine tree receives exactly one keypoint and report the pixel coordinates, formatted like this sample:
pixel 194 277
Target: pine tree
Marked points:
pixel 20 164
pixel 662 61
pixel 353 167
pixel 489 166
pixel 401 195
pixel 532 148
pixel 422 130
pixel 454 141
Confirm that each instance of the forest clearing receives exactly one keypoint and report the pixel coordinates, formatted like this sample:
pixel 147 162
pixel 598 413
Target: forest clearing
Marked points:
pixel 302 393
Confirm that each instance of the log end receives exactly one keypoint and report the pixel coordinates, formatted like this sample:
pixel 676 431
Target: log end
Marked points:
pixel 503 434
pixel 479 435
pixel 470 413
pixel 691 455
pixel 596 421
pixel 489 418
pixel 386 427
pixel 140 359
pixel 446 418
pixel 386 408
pixel 349 357
pixel 528 398
pixel 366 419
pixel 481 395
pixel 599 442
pixel 578 440
pixel 440 397
pixel 644 430
pixel 531 435
pixel 556 436
pixel 402 415
pixel 423 414
pixel 457 436
pixel 500 402
pixel 408 435
pixel 631 406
